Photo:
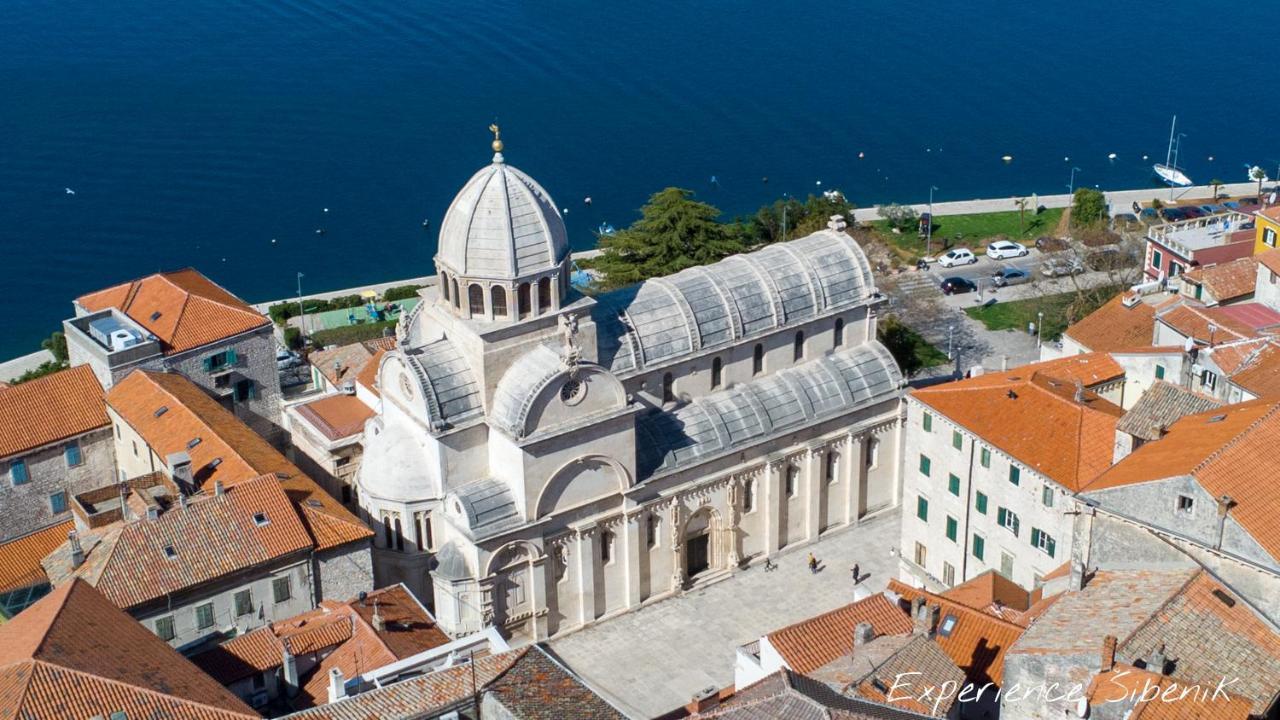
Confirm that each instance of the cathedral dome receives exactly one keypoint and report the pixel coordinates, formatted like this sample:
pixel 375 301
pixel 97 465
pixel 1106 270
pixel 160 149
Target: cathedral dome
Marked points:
pixel 502 226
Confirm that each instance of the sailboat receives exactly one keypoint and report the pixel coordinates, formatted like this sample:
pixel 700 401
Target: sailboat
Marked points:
pixel 1169 172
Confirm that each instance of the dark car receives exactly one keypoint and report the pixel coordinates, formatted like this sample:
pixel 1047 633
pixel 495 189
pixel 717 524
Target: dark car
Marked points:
pixel 957 285
pixel 1212 209
pixel 1192 212
pixel 1174 214
pixel 1010 276
pixel 1231 205
pixel 1249 201
pixel 1048 243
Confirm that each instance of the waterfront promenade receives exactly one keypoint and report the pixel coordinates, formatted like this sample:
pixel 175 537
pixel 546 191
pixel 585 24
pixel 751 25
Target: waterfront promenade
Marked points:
pixel 1121 201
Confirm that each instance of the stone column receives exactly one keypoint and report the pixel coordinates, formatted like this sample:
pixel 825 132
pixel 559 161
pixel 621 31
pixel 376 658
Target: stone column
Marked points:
pixel 586 575
pixel 677 546
pixel 633 540
pixel 853 470
pixel 733 554
pixel 773 499
pixel 813 490
pixel 538 597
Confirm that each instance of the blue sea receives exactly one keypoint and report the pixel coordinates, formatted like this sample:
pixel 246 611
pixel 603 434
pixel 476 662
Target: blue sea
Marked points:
pixel 214 133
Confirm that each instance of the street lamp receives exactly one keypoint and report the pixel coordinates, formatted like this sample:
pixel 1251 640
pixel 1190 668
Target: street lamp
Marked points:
pixel 950 350
pixel 928 232
pixel 1039 326
pixel 785 201
pixel 1071 185
pixel 302 313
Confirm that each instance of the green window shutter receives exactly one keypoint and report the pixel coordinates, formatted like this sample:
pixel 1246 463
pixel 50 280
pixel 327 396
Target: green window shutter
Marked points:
pixel 980 502
pixel 1035 537
pixel 953 485
pixel 231 356
pixel 922 509
pixel 927 422
pixel 978 548
pixel 924 465
pixel 253 390
pixel 951 528
pixel 957 441
pixel 1000 516
pixel 985 457
pixel 208 364
pixel 1159 372
pixel 1050 546
pixel 1015 474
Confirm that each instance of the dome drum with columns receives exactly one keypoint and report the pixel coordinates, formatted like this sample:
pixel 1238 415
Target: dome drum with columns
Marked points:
pixel 503 249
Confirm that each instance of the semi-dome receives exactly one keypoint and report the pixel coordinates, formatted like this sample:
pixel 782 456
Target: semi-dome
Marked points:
pixel 502 225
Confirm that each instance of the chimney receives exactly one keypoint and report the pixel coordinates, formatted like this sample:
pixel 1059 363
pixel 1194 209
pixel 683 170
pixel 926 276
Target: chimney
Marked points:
pixel 217 487
pixel 180 470
pixel 1108 653
pixel 77 552
pixel 926 620
pixel 337 685
pixel 379 625
pixel 1077 576
pixel 289 667
pixel 916 604
pixel 1079 396
pixel 704 700
pixel 837 223
pixel 1157 662
pixel 1225 503
pixel 863 634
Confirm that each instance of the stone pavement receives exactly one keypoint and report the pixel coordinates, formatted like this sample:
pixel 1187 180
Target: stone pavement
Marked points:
pixel 655 659
pixel 14 368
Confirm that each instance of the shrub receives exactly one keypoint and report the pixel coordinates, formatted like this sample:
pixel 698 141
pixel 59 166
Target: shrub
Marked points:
pixel 48 367
pixel 352 333
pixel 401 292
pixel 293 338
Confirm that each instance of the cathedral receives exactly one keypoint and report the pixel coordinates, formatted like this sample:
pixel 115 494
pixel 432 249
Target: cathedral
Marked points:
pixel 543 459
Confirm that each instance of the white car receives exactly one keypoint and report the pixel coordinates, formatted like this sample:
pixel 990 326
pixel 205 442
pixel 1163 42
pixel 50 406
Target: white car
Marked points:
pixel 958 256
pixel 1002 249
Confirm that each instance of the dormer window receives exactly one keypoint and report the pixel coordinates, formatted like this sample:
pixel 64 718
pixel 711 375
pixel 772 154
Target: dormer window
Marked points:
pixel 193 442
pixel 170 552
pixel 161 410
pixel 261 520
pixel 155 316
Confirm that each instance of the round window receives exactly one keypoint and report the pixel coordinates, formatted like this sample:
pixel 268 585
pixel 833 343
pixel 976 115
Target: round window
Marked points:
pixel 571 392
pixel 406 385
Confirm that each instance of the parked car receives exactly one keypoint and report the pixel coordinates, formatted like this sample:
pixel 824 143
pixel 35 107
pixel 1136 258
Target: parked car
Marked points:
pixel 957 256
pixel 1010 276
pixel 1172 214
pixel 286 359
pixel 1249 201
pixel 1212 209
pixel 1002 249
pixel 1192 211
pixel 957 285
pixel 1105 259
pixel 1231 205
pixel 1062 266
pixel 1048 244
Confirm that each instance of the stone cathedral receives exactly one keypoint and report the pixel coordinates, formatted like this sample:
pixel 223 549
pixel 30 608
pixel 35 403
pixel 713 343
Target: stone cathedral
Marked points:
pixel 543 459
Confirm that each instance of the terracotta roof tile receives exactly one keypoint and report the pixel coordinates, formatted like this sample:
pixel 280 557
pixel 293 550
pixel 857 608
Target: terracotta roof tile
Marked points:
pixel 812 643
pixel 20 557
pixel 52 408
pixel 1226 451
pixel 1270 259
pixel 786 695
pixel 1259 373
pixel 993 594
pixel 183 309
pixel 1124 683
pixel 241 453
pixel 1227 281
pixel 1159 407
pixel 1031 415
pixel 213 537
pixel 870 669
pixel 350 362
pixel 74 655
pixel 336 416
pixel 977 643
pixel 1229 323
pixel 1114 326
pixel 368 376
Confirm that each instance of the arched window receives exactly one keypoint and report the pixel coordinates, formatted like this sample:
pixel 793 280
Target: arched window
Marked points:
pixel 457 296
pixel 399 535
pixel 748 496
pixel 832 466
pixel 668 388
pixel 757 359
pixel 798 353
pixel 544 294
pixel 498 297
pixel 717 368
pixel 839 332
pixel 475 300
pixel 444 286
pixel 522 300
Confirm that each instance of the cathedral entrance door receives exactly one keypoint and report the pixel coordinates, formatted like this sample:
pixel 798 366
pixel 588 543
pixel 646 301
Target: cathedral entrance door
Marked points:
pixel 696 553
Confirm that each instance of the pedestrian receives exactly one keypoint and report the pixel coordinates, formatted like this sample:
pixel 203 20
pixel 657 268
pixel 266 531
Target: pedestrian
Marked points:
pixel 857 574
pixel 813 563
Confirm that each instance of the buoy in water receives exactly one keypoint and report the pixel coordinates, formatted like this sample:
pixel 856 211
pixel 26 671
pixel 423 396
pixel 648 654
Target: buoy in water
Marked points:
pixel 1112 156
pixel 426 223
pixel 1210 158
pixel 1066 159
pixel 764 179
pixel 818 182
pixel 326 209
pixel 1007 158
pixel 319 231
pixel 1144 157
pixel 861 155
pixel 587 200
pixel 273 241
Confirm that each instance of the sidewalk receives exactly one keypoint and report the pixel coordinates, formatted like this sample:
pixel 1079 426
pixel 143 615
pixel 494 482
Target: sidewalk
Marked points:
pixel 12 369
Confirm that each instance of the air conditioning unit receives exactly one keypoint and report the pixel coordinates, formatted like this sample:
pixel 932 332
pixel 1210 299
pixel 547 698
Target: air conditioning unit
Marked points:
pixel 259 699
pixel 349 387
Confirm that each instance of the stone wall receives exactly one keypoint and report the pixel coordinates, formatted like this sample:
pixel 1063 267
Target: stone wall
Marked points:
pixel 28 507
pixel 344 572
pixel 256 361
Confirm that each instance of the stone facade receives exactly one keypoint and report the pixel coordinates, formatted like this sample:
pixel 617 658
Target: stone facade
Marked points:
pixel 344 572
pixel 54 474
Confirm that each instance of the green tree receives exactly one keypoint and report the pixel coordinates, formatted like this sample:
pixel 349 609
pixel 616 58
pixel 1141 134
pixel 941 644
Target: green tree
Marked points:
pixel 1022 215
pixel 1088 207
pixel 1216 184
pixel 901 217
pixel 674 232
pixel 56 344
pixel 802 218
pixel 1258 174
pixel 902 343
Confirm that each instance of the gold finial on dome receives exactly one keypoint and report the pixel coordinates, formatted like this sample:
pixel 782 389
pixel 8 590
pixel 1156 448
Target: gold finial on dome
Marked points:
pixel 497 137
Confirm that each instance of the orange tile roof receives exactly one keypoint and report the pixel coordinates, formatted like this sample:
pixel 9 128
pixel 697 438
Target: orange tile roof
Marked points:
pixel 1114 326
pixel 812 643
pixel 1125 683
pixel 1259 373
pixel 993 594
pixel 977 643
pixel 336 416
pixel 1271 213
pixel 242 454
pixel 368 376
pixel 214 537
pixel 1226 450
pixel 183 309
pixel 1030 414
pixel 350 362
pixel 52 408
pixel 73 655
pixel 20 557
pixel 342 632
pixel 1229 280
pixel 1228 323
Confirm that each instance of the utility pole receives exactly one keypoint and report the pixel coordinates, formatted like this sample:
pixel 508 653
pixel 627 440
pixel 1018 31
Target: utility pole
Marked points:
pixel 786 200
pixel 1071 185
pixel 928 231
pixel 302 313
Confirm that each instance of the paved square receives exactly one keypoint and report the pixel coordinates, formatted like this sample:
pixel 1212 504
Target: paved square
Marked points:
pixel 655 659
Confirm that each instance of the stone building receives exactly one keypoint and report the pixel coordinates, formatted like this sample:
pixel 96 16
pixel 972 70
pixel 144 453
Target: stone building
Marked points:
pixel 543 459
pixel 55 441
pixel 182 322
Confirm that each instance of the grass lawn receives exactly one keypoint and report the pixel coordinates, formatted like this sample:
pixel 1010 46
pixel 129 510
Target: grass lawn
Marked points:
pixel 1059 312
pixel 971 231
pixel 928 355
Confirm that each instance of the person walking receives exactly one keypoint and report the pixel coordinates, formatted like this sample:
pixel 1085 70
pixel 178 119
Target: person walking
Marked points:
pixel 813 563
pixel 857 574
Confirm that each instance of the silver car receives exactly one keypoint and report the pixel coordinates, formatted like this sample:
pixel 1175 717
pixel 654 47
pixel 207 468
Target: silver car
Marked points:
pixel 1010 276
pixel 1062 266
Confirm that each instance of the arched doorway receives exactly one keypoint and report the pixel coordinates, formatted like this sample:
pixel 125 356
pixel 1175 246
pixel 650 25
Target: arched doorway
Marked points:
pixel 699 549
